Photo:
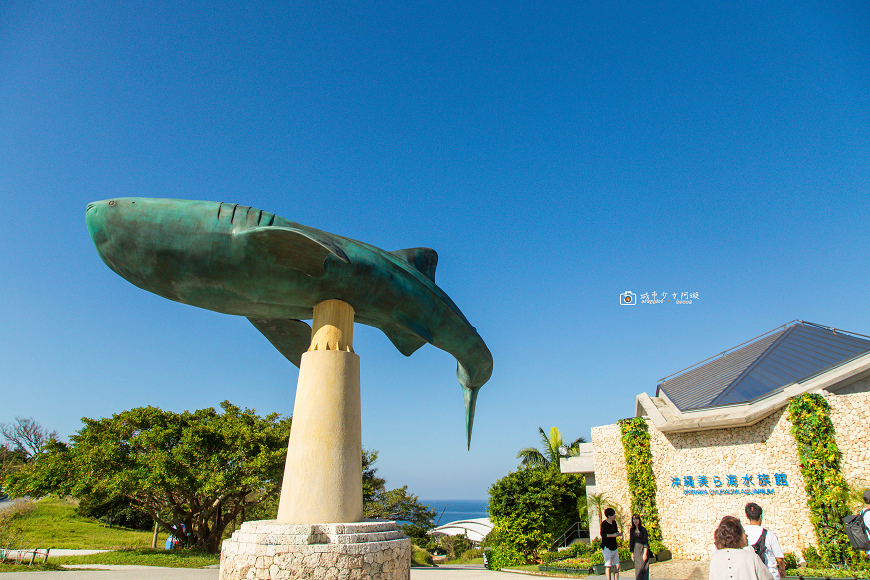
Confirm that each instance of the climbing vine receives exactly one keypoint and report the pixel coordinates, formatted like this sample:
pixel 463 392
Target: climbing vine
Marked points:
pixel 641 481
pixel 827 491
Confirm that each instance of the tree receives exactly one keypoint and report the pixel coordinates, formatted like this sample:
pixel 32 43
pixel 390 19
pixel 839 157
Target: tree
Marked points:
pixel 395 504
pixel 599 502
pixel 530 508
pixel 116 511
pixel 10 461
pixel 27 436
pixel 195 469
pixel 549 457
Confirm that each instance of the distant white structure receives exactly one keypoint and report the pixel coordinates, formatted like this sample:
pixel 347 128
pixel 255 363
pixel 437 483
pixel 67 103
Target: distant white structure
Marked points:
pixel 475 529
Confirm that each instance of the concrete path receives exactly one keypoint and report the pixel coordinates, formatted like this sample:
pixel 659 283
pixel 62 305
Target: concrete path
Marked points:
pixel 119 573
pixel 675 570
pixel 154 573
pixel 8 503
pixel 58 552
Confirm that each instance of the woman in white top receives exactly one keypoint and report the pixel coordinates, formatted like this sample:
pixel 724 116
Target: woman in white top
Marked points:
pixel 730 561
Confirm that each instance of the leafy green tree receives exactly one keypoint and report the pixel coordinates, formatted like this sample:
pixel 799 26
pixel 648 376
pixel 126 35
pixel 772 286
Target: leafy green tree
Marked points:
pixel 395 504
pixel 197 469
pixel 10 461
pixel 116 511
pixel 530 508
pixel 549 457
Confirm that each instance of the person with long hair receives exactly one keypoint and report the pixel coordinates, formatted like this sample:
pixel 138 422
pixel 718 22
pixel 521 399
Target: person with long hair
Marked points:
pixel 639 545
pixel 729 560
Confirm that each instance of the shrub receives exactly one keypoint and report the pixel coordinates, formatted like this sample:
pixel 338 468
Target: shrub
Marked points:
pixel 530 508
pixel 641 480
pixel 827 491
pixel 790 560
pixel 811 555
pixel 420 557
pixel 503 556
pixel 827 573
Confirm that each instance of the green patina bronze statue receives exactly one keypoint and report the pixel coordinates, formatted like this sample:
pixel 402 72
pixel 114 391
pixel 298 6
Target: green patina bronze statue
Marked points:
pixel 246 262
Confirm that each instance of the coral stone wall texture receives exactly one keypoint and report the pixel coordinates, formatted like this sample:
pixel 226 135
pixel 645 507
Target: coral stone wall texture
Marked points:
pixel 268 550
pixel 692 475
pixel 851 417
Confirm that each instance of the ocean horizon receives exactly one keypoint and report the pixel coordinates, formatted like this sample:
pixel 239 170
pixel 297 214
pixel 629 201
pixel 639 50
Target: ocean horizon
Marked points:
pixel 451 510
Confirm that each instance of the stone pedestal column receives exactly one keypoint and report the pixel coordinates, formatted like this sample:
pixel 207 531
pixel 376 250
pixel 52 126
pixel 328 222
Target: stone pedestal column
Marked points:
pixel 320 532
pixel 323 473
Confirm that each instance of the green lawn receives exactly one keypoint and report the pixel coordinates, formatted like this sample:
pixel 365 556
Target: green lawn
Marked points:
pixel 25 568
pixel 145 557
pixel 53 523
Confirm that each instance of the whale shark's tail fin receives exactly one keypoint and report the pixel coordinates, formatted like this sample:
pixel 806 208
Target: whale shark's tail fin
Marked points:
pixel 470 395
pixel 470 401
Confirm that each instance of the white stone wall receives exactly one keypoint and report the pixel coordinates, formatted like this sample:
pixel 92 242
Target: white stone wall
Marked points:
pixel 851 417
pixel 768 447
pixel 370 550
pixel 610 475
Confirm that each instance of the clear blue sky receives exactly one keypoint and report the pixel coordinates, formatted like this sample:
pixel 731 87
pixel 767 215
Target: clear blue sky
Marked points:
pixel 554 156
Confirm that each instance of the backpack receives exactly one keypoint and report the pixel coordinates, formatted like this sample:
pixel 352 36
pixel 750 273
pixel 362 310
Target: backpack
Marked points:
pixel 760 547
pixel 857 531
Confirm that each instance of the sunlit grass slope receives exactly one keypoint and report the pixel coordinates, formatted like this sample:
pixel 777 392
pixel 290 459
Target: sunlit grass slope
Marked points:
pixel 53 523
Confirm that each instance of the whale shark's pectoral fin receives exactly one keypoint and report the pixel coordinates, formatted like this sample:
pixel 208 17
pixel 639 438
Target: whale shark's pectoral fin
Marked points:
pixel 406 342
pixel 425 260
pixel 294 248
pixel 290 337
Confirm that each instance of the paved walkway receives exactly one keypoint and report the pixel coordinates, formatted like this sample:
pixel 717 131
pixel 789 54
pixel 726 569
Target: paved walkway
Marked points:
pixel 671 570
pixel 154 573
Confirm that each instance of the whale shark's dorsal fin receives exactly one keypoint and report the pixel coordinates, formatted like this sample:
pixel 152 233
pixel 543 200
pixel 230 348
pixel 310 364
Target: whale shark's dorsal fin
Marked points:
pixel 296 249
pixel 422 259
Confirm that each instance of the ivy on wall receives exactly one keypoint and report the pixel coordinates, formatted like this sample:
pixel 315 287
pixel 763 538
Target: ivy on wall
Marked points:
pixel 827 491
pixel 641 481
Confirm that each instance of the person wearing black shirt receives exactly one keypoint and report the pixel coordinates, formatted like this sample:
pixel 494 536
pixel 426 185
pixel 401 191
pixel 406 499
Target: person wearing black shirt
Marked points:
pixel 639 546
pixel 609 533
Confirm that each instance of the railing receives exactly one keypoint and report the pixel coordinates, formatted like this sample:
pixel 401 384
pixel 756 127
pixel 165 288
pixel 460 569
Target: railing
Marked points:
pixel 21 555
pixel 574 532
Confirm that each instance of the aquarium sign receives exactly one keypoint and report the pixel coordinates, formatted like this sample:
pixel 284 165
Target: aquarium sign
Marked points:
pixel 748 484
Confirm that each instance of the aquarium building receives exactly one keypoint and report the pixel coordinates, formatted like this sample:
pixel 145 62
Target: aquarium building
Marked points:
pixel 720 436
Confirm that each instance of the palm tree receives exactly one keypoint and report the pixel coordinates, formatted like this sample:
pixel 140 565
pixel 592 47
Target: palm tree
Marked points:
pixel 532 457
pixel 598 502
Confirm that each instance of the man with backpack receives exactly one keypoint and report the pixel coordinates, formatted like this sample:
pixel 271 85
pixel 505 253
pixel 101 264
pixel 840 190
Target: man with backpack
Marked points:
pixel 764 542
pixel 857 527
pixel 866 515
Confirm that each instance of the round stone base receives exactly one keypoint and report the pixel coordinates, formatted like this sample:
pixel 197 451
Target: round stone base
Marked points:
pixel 369 550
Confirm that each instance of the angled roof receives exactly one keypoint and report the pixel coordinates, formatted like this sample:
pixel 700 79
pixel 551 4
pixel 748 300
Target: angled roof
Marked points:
pixel 764 366
pixel 474 529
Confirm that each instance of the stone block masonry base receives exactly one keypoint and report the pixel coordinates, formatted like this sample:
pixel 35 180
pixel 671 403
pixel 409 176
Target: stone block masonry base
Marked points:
pixel 369 550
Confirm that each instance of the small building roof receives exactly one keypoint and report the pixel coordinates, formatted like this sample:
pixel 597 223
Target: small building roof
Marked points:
pixel 768 363
pixel 474 529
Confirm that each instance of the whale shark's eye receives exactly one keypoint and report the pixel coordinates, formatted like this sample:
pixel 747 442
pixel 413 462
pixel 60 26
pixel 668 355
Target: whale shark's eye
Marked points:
pixel 112 202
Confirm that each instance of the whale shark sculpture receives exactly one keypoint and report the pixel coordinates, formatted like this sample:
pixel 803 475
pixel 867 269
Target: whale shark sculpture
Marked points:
pixel 244 261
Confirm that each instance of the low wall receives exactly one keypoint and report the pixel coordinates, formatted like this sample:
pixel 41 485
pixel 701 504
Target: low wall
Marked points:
pixel 370 550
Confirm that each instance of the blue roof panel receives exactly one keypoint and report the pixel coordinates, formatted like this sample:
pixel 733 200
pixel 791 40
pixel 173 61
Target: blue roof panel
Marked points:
pixel 763 367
